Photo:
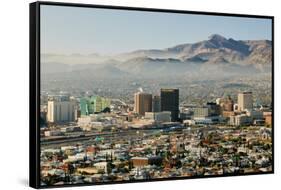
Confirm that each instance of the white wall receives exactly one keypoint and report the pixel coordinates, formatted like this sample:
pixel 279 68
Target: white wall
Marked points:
pixel 14 87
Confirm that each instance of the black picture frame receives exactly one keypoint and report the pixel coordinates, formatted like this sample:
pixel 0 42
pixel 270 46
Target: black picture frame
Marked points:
pixel 34 87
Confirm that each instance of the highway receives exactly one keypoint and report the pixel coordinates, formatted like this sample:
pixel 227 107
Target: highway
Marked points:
pixel 120 135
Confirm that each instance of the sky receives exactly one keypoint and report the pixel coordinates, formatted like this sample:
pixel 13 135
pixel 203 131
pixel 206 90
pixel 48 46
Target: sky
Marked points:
pixel 68 30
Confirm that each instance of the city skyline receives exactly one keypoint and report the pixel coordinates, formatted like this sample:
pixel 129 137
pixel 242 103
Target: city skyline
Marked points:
pixel 124 143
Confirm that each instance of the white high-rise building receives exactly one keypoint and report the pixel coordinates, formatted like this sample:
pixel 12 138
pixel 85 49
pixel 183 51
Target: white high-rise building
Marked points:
pixel 61 110
pixel 245 101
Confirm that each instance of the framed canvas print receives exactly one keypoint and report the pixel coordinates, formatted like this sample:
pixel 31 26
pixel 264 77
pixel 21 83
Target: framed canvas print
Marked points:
pixel 122 94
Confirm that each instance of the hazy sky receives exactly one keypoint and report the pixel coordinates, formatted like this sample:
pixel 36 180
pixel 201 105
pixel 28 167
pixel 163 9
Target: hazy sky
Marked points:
pixel 70 30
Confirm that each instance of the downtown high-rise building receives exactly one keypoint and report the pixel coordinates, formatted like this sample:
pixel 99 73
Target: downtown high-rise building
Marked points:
pixel 143 103
pixel 93 104
pixel 170 102
pixel 156 104
pixel 245 101
pixel 227 104
pixel 61 109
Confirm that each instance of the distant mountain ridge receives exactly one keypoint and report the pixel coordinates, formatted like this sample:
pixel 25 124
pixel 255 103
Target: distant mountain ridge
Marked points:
pixel 216 54
pixel 235 51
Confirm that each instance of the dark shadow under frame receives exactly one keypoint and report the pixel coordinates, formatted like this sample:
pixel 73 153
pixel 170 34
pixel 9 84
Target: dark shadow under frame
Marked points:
pixel 34 89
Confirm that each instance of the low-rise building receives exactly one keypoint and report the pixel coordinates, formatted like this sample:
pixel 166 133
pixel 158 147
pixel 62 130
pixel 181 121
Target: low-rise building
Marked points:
pixel 238 120
pixel 268 118
pixel 164 116
pixel 139 161
pixel 52 133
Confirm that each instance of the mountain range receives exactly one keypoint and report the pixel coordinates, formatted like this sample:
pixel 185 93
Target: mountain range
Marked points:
pixel 216 54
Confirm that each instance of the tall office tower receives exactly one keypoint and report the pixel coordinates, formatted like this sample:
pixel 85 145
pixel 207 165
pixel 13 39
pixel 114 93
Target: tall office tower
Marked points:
pixel 156 104
pixel 226 104
pixel 170 102
pixel 99 103
pixel 94 104
pixel 143 103
pixel 61 109
pixel 214 109
pixel 85 106
pixel 245 101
